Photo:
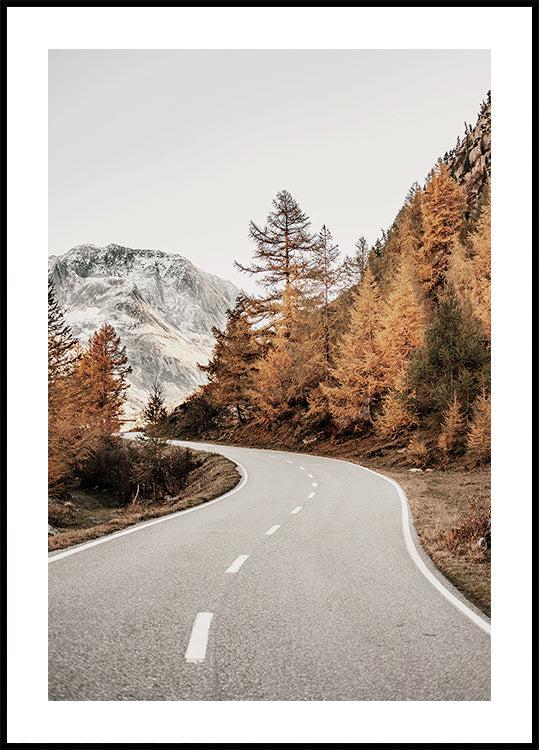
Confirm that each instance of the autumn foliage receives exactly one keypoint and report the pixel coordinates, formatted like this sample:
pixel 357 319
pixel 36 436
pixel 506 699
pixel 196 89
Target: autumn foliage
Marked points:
pixel 385 342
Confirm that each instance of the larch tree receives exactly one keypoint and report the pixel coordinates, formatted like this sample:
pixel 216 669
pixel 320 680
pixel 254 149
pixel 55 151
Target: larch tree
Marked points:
pixel 451 437
pixel 68 441
pixel 442 207
pixel 478 440
pixel 324 277
pixel 104 368
pixel 356 373
pixel 281 247
pixel 234 360
pixel 273 392
pixel 401 324
pixel 469 270
pixel 354 266
pixel 397 413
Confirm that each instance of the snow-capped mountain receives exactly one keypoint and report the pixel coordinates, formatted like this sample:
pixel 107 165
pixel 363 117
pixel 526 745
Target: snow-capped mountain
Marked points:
pixel 160 304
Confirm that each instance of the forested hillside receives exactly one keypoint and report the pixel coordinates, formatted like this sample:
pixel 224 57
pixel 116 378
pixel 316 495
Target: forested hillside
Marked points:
pixel 388 345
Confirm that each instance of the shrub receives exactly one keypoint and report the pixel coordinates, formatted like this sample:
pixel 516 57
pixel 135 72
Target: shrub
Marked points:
pixel 417 453
pixel 109 468
pixel 177 463
pixel 60 513
pixel 475 527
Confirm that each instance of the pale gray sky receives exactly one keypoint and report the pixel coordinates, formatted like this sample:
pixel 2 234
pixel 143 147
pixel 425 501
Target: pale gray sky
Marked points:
pixel 177 150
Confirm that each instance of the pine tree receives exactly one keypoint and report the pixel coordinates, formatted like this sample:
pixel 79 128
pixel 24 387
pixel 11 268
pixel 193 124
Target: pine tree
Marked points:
pixel 154 414
pixel 442 208
pixel 357 364
pixel 454 358
pixel 148 469
pixel 104 367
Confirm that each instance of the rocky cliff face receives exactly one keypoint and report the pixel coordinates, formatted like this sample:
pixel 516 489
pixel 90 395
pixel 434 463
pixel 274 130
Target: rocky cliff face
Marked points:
pixel 470 162
pixel 160 304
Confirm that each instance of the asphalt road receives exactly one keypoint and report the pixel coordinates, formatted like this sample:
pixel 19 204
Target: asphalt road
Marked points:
pixel 298 585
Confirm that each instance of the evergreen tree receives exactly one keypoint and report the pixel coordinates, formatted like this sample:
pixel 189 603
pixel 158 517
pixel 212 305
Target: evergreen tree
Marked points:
pixel 148 469
pixel 453 361
pixel 104 368
pixel 154 414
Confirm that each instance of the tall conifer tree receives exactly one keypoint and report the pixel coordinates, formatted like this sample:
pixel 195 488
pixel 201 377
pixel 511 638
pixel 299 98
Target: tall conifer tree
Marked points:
pixel 104 368
pixel 442 207
pixel 357 372
pixel 280 255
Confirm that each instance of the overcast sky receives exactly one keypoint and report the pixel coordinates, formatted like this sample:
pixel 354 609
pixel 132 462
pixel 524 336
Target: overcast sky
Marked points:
pixel 177 150
pixel 180 153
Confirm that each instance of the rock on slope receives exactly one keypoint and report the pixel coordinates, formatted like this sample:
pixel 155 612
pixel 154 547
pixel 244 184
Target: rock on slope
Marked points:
pixel 160 304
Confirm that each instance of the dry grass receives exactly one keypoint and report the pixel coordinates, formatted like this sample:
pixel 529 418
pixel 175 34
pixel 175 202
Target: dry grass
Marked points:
pixel 213 476
pixel 451 512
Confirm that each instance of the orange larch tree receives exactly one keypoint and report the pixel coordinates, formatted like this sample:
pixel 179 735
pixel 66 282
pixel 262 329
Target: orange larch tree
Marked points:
pixel 104 368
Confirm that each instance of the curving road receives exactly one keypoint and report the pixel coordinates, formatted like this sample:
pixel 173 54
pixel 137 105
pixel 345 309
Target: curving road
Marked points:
pixel 303 583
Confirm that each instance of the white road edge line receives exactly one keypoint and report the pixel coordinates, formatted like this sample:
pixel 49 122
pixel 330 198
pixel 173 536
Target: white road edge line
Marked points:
pixel 139 527
pixel 273 529
pixel 296 510
pixel 414 554
pixel 236 565
pixel 310 495
pixel 198 642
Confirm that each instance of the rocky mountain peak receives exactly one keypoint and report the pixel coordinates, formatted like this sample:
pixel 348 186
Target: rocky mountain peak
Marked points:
pixel 162 306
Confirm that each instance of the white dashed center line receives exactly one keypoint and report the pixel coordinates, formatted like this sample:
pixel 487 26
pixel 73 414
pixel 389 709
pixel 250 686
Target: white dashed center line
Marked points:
pixel 311 495
pixel 315 484
pixel 302 468
pixel 288 461
pixel 236 565
pixel 310 476
pixel 296 510
pixel 196 650
pixel 273 529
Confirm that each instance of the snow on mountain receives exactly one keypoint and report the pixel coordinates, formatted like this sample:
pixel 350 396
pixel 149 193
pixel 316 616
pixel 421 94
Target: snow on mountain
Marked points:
pixel 160 304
